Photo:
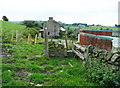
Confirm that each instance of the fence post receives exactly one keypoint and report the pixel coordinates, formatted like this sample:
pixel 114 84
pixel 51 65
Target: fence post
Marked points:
pixel 35 39
pixel 16 35
pixel 12 35
pixel 46 43
pixel 28 38
pixel 66 41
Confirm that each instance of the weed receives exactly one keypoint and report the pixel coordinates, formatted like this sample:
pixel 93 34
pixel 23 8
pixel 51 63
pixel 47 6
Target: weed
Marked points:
pixel 7 45
pixel 101 74
pixel 37 78
pixel 33 68
pixel 6 67
pixel 7 77
pixel 16 83
pixel 48 67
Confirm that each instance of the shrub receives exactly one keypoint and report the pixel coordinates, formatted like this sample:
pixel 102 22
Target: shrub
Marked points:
pixel 101 73
pixel 29 23
pixel 31 31
pixel 5 18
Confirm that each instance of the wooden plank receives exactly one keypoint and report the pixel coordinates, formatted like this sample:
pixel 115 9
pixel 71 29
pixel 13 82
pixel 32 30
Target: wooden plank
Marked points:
pixel 80 55
pixel 80 47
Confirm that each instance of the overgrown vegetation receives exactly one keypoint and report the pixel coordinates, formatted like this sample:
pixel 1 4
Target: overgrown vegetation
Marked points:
pixel 24 65
pixel 101 73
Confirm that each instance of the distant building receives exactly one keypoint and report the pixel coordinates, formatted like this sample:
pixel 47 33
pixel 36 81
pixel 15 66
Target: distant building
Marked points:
pixel 53 28
pixel 116 33
pixel 76 31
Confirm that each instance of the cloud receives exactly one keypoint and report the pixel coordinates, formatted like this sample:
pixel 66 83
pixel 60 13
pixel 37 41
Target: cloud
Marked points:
pixel 97 11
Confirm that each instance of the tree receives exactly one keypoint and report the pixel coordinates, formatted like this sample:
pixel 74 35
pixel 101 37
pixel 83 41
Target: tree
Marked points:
pixel 5 18
pixel 115 25
pixel 29 23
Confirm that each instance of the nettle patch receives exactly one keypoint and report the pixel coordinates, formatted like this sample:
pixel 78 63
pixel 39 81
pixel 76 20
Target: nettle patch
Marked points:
pixel 100 73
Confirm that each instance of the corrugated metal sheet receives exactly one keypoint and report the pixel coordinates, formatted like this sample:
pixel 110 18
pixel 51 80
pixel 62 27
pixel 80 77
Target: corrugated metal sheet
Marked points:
pixel 97 36
pixel 102 42
pixel 97 32
pixel 100 38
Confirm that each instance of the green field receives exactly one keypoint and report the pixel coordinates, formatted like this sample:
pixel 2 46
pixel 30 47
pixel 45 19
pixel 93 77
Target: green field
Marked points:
pixel 23 64
pixel 91 27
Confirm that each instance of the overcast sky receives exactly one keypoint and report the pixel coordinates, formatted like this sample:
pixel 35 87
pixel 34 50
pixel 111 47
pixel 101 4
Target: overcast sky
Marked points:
pixel 103 12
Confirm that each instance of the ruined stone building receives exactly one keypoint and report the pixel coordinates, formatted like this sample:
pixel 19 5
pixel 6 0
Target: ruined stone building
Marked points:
pixel 53 28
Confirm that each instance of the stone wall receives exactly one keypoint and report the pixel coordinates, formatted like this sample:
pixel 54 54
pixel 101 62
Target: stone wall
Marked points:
pixel 56 49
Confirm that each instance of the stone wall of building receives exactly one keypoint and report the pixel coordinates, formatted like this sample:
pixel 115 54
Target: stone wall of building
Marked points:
pixel 53 27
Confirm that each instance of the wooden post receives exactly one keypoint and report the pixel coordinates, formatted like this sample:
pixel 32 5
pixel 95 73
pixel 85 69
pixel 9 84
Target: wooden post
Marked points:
pixel 28 38
pixel 86 53
pixel 35 39
pixel 66 41
pixel 46 43
pixel 39 35
pixel 16 35
pixel 12 35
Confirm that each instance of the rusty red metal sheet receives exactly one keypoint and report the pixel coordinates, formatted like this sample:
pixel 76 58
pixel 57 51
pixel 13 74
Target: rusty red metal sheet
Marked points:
pixel 96 41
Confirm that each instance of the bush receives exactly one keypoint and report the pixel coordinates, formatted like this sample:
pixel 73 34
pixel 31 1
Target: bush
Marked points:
pixel 29 23
pixel 5 18
pixel 101 73
pixel 31 31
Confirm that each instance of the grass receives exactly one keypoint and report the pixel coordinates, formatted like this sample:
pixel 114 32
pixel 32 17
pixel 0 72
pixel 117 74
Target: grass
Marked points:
pixel 91 27
pixel 26 50
pixel 8 28
pixel 27 67
pixel 40 70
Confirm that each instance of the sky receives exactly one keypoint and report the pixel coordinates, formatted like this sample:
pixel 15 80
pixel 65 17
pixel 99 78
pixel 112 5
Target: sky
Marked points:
pixel 104 12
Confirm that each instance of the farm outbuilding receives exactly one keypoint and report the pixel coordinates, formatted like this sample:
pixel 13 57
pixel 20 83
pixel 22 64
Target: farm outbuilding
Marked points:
pixel 99 38
pixel 95 40
pixel 97 32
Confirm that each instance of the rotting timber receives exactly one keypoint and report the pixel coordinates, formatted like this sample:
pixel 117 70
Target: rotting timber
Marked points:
pixel 108 57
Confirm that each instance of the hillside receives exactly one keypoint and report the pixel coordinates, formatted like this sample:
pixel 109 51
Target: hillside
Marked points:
pixel 9 26
pixel 91 27
pixel 23 64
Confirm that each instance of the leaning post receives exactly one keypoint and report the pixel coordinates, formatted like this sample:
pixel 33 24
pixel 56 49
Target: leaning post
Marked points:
pixel 66 41
pixel 16 35
pixel 46 42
